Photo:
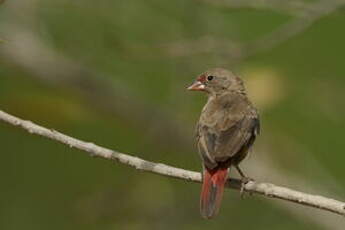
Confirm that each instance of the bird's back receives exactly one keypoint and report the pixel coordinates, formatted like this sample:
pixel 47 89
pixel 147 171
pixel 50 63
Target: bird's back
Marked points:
pixel 228 124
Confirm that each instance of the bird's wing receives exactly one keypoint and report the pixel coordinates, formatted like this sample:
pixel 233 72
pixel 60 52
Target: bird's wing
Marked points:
pixel 224 135
pixel 240 134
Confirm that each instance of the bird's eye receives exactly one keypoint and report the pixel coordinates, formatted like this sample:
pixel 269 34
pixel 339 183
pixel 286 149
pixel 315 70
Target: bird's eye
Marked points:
pixel 210 78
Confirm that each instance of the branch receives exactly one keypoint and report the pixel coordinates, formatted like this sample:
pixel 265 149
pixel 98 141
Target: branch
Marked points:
pixel 266 189
pixel 124 103
pixel 238 51
pixel 293 7
pixel 109 96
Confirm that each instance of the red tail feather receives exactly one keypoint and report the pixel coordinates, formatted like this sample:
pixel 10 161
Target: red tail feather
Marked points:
pixel 212 191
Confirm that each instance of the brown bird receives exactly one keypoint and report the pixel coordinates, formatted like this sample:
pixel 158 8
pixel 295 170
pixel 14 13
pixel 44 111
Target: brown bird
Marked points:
pixel 226 130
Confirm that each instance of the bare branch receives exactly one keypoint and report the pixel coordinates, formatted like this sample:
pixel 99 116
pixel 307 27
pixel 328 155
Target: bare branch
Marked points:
pixel 236 51
pixel 110 96
pixel 118 101
pixel 294 27
pixel 266 189
pixel 293 7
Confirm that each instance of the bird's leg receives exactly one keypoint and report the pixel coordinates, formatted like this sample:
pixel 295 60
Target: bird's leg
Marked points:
pixel 244 180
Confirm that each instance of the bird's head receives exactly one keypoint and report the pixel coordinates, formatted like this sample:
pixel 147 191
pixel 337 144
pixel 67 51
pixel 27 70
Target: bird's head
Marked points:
pixel 216 81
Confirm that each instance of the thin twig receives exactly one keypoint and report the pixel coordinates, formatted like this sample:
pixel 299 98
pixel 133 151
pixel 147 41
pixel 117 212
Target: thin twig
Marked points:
pixel 236 52
pixel 292 7
pixel 266 189
pixel 110 96
pixel 125 103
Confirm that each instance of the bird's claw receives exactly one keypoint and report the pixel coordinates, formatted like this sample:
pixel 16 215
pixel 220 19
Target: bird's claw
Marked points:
pixel 244 181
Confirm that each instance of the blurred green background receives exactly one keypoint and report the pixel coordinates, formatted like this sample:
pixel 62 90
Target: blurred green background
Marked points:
pixel 115 72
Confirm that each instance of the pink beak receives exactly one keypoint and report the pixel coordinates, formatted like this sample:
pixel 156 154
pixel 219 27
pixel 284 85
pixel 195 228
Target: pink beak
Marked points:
pixel 196 86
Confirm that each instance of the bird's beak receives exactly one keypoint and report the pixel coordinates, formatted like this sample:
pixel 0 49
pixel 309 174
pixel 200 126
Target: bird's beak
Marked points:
pixel 197 86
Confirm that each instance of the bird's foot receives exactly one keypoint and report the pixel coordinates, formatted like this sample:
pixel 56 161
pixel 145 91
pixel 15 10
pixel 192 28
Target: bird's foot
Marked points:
pixel 244 181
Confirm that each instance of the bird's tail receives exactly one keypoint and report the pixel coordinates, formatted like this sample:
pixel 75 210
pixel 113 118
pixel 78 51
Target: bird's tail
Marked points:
pixel 212 191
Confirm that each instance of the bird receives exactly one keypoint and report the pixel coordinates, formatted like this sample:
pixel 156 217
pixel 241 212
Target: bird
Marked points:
pixel 227 128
